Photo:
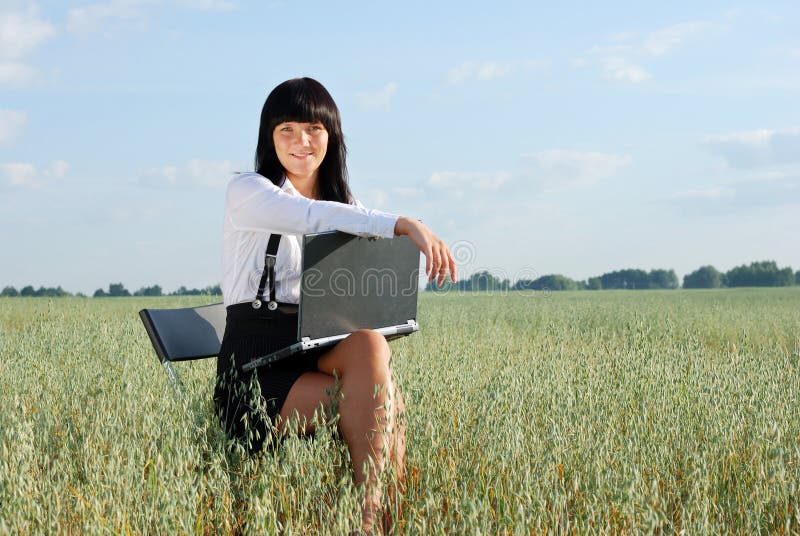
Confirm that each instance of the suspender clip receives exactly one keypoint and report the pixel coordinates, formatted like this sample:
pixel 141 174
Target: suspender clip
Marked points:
pixel 270 257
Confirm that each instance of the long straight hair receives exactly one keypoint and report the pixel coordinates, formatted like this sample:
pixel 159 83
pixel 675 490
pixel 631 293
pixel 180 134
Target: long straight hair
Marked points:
pixel 304 100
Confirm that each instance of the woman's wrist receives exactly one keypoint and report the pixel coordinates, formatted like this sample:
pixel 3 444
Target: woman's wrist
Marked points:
pixel 401 226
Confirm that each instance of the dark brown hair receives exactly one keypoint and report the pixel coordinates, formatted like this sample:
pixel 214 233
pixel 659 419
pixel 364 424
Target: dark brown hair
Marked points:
pixel 304 100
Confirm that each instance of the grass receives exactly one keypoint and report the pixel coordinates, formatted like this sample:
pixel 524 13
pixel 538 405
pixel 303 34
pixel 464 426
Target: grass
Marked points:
pixel 592 412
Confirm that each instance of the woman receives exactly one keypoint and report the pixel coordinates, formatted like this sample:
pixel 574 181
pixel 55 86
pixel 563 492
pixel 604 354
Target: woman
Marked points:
pixel 299 187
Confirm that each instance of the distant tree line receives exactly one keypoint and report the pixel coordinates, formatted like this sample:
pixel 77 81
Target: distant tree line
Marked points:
pixel 114 290
pixel 757 274
pixel 620 279
pixel 118 290
pixel 30 291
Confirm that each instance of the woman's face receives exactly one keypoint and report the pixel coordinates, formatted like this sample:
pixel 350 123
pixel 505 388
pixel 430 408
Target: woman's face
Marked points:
pixel 301 148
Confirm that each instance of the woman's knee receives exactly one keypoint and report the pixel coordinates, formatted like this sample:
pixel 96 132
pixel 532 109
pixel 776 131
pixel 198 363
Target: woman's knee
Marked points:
pixel 363 356
pixel 372 348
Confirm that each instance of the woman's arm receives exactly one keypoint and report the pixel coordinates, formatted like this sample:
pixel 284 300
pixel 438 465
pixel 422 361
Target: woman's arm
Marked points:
pixel 253 203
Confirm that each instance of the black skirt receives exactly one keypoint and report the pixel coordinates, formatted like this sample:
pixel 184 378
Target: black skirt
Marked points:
pixel 248 402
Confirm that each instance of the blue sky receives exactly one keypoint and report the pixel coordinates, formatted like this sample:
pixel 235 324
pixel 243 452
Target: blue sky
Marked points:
pixel 535 138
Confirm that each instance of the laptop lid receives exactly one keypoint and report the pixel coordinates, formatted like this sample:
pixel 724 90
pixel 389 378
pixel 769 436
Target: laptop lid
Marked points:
pixel 351 282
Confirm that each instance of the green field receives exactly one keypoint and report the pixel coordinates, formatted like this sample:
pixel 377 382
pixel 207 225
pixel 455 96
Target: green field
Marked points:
pixel 593 412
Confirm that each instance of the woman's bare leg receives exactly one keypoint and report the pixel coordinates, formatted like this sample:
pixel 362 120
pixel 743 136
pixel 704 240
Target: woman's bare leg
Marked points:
pixel 309 394
pixel 397 457
pixel 368 410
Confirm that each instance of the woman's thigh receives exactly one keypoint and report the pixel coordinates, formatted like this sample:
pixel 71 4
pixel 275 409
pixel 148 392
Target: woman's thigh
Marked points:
pixel 316 387
pixel 353 352
pixel 304 398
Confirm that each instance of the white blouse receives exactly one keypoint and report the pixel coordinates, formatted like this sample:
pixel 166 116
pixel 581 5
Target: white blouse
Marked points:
pixel 256 208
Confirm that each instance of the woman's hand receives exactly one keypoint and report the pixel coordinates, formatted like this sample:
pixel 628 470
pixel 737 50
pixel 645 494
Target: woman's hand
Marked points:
pixel 438 259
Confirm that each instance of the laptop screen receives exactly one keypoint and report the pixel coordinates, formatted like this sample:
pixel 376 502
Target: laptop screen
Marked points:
pixel 352 283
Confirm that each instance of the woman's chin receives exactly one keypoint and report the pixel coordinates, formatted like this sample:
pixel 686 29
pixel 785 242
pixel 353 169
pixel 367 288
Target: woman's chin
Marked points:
pixel 302 173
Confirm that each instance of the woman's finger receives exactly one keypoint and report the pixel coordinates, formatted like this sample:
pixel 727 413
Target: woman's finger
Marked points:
pixel 452 263
pixel 437 263
pixel 448 262
pixel 434 267
pixel 442 268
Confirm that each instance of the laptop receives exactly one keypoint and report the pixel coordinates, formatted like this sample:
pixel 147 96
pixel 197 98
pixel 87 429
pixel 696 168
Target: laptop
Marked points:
pixel 351 283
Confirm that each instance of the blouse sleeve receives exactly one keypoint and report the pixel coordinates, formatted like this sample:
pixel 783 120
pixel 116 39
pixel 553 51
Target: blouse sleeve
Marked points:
pixel 254 203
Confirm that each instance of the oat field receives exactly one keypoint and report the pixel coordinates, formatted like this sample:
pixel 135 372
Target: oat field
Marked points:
pixel 528 413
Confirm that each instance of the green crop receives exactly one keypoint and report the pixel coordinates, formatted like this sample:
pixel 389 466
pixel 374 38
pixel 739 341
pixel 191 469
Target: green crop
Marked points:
pixel 586 412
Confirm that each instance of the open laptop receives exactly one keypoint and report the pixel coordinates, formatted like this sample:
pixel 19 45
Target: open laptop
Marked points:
pixel 351 283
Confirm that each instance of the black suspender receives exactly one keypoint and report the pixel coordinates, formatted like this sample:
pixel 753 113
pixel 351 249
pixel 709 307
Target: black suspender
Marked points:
pixel 269 271
pixel 269 268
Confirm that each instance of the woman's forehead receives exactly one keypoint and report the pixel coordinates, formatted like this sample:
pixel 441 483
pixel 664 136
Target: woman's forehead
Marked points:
pixel 300 122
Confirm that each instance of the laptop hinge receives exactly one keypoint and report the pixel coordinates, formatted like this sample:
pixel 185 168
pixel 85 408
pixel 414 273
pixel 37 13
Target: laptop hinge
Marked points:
pixel 305 339
pixel 411 322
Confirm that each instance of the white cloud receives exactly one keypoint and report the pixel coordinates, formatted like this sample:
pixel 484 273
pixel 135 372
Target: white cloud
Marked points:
pixel 26 175
pixel 662 41
pixel 753 138
pixel 717 192
pixel 484 70
pixel 208 5
pixel 620 58
pixel 563 169
pixel 739 196
pixel 378 100
pixel 756 147
pixel 489 70
pixel 616 68
pixel 11 124
pixel 454 180
pixel 761 175
pixel 388 199
pixel 193 174
pixel 376 198
pixel 407 191
pixel 754 13
pixel 57 170
pixel 18 174
pixel 94 17
pixel 545 170
pixel 14 74
pixel 578 63
pixel 22 32
pixel 90 18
